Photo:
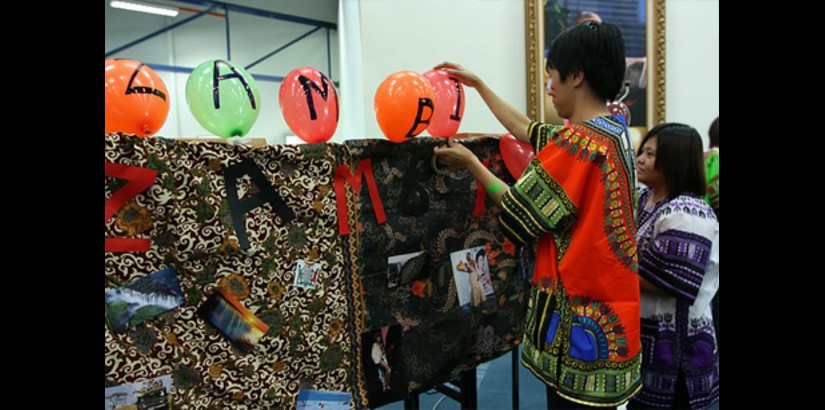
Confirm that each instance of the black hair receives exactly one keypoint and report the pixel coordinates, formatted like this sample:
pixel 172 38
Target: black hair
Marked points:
pixel 679 156
pixel 713 132
pixel 597 50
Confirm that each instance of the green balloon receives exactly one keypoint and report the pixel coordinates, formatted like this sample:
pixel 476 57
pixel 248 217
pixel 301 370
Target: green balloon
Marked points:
pixel 223 98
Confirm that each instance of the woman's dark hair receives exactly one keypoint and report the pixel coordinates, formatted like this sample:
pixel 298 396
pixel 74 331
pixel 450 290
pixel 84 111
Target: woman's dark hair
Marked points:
pixel 679 156
pixel 713 132
pixel 597 50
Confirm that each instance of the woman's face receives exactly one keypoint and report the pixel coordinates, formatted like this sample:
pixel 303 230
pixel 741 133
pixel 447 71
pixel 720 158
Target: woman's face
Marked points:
pixel 646 165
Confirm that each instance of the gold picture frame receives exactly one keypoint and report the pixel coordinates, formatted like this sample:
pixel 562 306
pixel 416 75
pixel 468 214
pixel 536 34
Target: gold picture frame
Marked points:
pixel 540 108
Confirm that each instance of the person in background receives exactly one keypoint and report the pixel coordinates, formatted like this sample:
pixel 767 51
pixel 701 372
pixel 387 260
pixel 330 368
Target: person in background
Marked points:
pixel 712 198
pixel 577 199
pixel 678 240
pixel 588 16
pixel 712 167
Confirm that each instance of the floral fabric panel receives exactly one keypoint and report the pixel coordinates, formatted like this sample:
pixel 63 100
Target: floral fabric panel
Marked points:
pixel 437 232
pixel 288 270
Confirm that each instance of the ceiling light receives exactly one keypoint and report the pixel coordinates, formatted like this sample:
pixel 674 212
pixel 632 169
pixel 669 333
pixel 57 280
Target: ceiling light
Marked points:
pixel 163 11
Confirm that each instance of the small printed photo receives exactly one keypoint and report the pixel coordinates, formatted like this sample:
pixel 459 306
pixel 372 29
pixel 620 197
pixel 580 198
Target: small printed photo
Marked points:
pixel 474 285
pixel 147 394
pixel 384 371
pixel 322 399
pixel 404 268
pixel 228 315
pixel 142 299
pixel 307 274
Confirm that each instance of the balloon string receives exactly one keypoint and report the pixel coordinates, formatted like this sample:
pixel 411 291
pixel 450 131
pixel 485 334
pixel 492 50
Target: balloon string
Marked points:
pixel 625 92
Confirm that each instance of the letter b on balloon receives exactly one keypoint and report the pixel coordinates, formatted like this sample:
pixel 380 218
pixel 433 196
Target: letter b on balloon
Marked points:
pixel 309 104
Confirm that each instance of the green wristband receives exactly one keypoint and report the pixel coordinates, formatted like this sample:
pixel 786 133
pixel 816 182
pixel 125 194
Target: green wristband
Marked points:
pixel 494 188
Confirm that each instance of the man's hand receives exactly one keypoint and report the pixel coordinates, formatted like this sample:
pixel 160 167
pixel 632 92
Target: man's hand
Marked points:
pixel 455 155
pixel 464 75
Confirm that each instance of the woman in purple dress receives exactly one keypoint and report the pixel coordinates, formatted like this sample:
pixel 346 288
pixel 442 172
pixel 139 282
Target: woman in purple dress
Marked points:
pixel 678 240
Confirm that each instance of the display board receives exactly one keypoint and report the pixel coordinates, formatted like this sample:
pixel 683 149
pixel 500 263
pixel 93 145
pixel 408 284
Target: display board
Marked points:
pixel 242 277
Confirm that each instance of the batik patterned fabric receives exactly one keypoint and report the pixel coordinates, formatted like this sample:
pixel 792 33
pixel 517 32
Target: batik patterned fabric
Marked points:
pixel 437 214
pixel 143 175
pixel 712 175
pixel 312 337
pixel 150 215
pixel 577 198
pixel 679 253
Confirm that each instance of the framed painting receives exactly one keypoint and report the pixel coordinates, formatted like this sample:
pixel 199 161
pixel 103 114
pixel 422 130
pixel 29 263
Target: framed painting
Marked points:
pixel 642 23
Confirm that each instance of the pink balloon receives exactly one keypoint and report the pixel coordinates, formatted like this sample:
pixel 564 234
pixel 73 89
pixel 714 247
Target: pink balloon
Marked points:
pixel 619 109
pixel 309 104
pixel 516 154
pixel 449 103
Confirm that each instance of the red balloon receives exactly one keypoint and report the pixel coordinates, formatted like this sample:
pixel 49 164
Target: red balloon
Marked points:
pixel 137 101
pixel 404 105
pixel 449 103
pixel 309 104
pixel 516 154
pixel 619 109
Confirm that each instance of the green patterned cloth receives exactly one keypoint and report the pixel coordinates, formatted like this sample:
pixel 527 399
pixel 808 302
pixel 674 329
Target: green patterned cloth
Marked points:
pixel 712 175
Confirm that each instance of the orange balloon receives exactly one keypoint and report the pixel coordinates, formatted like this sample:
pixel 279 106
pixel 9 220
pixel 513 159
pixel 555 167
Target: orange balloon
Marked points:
pixel 137 101
pixel 404 105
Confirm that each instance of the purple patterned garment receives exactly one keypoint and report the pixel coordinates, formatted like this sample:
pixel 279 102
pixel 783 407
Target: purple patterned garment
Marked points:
pixel 678 243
